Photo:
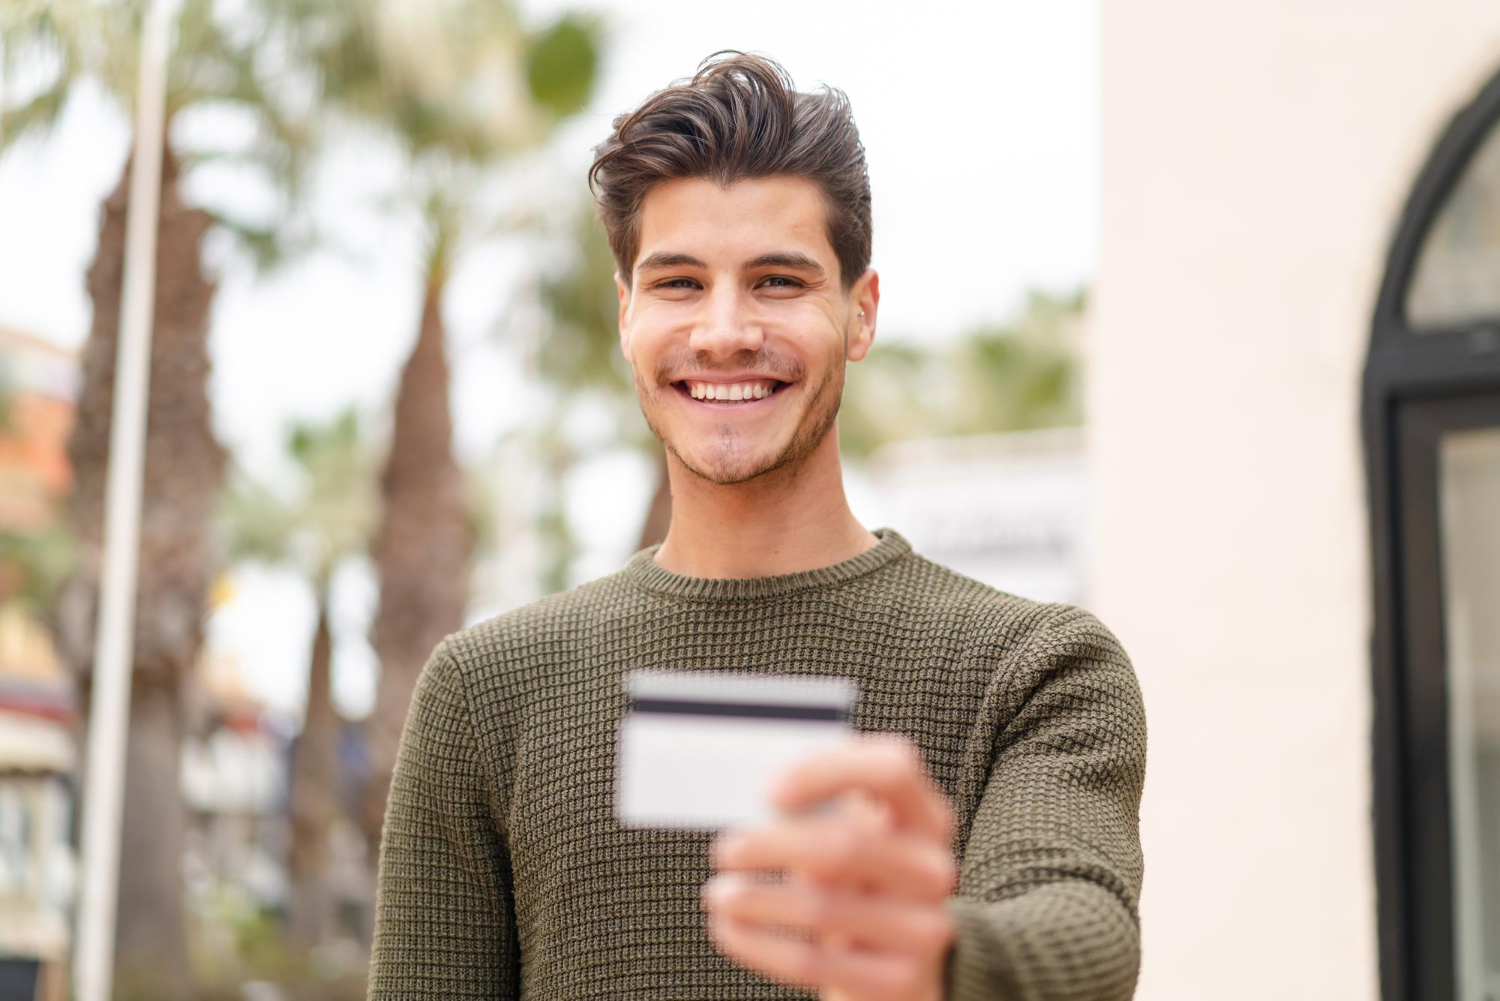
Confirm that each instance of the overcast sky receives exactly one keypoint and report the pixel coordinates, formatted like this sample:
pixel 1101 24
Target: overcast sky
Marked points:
pixel 980 126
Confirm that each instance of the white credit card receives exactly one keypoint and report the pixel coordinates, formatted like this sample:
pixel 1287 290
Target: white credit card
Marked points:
pixel 699 749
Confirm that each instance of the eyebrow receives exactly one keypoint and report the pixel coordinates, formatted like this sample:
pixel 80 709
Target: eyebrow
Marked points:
pixel 786 259
pixel 776 259
pixel 663 259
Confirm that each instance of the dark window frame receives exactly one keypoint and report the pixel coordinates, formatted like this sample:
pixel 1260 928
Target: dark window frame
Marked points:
pixel 1417 385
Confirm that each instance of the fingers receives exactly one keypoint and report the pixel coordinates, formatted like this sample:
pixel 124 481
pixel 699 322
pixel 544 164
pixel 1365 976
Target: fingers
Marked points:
pixel 897 864
pixel 848 917
pixel 871 975
pixel 867 876
pixel 887 767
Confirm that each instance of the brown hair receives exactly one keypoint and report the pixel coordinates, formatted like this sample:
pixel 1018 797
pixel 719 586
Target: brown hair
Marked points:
pixel 738 117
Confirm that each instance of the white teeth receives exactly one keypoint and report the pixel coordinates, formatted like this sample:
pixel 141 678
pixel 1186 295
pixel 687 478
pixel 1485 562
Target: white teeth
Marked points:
pixel 730 392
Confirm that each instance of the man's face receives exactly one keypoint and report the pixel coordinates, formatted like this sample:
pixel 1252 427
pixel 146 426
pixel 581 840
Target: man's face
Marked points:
pixel 736 325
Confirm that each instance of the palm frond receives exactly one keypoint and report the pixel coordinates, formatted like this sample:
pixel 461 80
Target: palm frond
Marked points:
pixel 37 116
pixel 324 517
pixel 269 247
pixel 40 49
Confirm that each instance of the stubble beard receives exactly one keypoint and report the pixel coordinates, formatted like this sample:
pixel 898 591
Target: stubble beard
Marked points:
pixel 818 419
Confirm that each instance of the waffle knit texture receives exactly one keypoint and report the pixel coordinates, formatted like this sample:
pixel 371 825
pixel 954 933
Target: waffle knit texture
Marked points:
pixel 503 873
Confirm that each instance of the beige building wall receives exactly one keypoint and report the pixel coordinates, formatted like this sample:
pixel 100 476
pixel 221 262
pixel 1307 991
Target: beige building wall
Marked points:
pixel 1255 160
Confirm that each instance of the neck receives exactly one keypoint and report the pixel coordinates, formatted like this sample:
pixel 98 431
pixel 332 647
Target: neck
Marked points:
pixel 795 518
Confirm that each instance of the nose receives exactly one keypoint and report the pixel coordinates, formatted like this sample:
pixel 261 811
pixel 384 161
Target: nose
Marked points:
pixel 727 325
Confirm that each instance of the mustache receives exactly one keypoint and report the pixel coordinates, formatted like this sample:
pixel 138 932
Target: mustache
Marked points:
pixel 686 365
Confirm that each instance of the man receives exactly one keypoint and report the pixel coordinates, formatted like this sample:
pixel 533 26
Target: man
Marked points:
pixel 988 845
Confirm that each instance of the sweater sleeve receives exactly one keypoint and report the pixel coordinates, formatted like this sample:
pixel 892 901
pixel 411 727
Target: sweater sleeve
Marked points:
pixel 1050 875
pixel 444 911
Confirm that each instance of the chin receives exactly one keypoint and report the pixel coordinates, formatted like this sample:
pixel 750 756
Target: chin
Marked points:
pixel 729 468
pixel 728 461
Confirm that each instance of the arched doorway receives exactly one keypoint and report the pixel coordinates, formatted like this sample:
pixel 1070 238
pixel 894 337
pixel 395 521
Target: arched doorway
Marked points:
pixel 1432 440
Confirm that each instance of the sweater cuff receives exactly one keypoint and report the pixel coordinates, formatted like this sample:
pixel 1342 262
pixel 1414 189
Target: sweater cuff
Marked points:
pixel 979 967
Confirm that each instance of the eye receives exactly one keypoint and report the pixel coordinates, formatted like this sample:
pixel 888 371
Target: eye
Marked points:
pixel 677 283
pixel 780 281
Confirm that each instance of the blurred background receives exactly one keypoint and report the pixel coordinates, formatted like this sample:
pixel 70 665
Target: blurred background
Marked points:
pixel 1191 315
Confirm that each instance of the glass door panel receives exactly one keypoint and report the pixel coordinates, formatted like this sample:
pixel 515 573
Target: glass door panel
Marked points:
pixel 1469 506
pixel 1457 276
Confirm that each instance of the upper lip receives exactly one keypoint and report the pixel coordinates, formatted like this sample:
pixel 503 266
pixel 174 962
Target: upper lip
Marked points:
pixel 727 378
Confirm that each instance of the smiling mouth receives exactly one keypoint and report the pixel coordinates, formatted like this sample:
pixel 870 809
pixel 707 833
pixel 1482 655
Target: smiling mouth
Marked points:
pixel 751 391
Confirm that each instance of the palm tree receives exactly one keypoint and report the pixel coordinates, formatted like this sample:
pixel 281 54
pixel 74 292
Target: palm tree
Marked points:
pixel 463 87
pixel 66 43
pixel 316 529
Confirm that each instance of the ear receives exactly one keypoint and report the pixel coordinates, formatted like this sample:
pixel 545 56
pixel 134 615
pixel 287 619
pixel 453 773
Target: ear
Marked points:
pixel 623 291
pixel 864 304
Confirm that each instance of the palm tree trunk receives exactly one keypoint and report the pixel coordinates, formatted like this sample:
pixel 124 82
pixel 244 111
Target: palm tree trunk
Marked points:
pixel 421 546
pixel 151 958
pixel 184 470
pixel 314 796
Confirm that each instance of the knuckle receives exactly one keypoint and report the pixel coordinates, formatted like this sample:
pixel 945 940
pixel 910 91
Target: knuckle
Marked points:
pixel 845 844
pixel 824 910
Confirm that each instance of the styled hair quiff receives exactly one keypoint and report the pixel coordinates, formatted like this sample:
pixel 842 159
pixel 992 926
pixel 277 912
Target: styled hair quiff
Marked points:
pixel 738 117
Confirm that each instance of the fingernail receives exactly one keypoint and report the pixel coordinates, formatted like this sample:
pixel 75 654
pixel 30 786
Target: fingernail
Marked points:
pixel 715 891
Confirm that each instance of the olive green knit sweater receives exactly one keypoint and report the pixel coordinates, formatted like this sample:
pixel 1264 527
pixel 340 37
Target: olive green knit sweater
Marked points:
pixel 503 873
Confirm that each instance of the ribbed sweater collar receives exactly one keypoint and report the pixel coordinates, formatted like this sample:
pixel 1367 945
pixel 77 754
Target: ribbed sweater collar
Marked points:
pixel 643 570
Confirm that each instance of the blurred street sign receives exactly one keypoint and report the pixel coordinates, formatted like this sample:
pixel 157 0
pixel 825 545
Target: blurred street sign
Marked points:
pixel 1009 510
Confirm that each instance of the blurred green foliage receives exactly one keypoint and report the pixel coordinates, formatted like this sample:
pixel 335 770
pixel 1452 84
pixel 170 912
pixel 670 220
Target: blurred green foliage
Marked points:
pixel 580 348
pixel 562 63
pixel 7 380
pixel 249 959
pixel 34 564
pixel 1015 376
pixel 323 518
pixel 458 81
pixel 233 67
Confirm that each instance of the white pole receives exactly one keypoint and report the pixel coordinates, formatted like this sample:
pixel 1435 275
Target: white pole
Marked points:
pixel 114 637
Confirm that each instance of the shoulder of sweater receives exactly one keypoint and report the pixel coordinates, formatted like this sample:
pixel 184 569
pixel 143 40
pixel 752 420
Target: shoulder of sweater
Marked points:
pixel 941 590
pixel 999 621
pixel 561 614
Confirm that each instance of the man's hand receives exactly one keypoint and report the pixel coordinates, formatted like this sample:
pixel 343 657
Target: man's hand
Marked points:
pixel 867 880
